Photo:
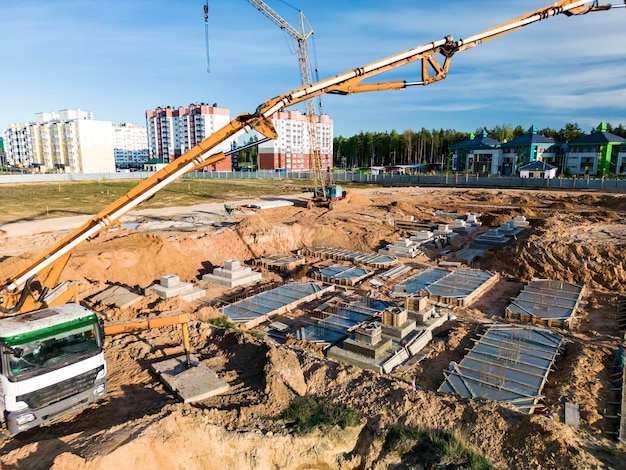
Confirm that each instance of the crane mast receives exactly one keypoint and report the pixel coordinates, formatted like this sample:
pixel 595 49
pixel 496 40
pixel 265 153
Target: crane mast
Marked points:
pixel 307 79
pixel 36 286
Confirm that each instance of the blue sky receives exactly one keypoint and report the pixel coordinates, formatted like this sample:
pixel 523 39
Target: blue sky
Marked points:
pixel 118 58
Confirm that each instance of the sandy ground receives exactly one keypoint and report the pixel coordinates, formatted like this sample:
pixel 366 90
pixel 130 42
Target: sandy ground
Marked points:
pixel 576 237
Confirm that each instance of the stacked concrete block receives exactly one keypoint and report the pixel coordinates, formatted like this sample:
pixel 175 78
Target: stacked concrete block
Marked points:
pixel 423 236
pixel 459 226
pixel 491 237
pixel 520 221
pixel 171 286
pixel 510 229
pixel 233 274
pixel 442 229
pixel 472 219
pixel 403 247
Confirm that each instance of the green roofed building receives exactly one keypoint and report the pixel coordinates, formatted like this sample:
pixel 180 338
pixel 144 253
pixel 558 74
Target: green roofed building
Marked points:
pixel 532 147
pixel 477 155
pixel 596 154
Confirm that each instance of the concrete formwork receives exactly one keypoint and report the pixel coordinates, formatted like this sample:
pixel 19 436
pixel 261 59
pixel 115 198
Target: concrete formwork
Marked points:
pixel 336 322
pixel 460 288
pixel 547 302
pixel 382 347
pixel 342 275
pixel 375 261
pixel 259 308
pixel 509 364
pixel 416 284
pixel 280 262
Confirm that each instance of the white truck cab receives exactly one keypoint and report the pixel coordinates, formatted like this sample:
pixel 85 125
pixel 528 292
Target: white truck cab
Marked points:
pixel 51 364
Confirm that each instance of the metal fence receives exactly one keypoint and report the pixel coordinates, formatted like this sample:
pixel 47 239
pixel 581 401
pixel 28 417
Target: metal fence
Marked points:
pixel 420 179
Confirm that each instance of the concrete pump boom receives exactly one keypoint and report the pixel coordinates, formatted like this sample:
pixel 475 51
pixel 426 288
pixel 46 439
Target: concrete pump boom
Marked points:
pixel 36 286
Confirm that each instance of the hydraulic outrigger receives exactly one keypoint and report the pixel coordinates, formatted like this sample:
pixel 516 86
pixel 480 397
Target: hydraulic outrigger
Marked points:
pixel 36 286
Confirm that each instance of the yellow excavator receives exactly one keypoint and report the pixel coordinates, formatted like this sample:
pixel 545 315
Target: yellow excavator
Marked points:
pixel 51 349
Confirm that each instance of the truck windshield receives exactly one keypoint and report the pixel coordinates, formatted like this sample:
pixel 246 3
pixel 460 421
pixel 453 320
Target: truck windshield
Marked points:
pixel 28 359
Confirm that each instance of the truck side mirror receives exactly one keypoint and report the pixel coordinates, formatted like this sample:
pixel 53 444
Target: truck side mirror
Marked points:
pixel 17 352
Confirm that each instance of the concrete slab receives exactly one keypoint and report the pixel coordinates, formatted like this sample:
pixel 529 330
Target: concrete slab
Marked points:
pixel 190 385
pixel 117 296
pixel 270 204
pixel 572 414
pixel 196 293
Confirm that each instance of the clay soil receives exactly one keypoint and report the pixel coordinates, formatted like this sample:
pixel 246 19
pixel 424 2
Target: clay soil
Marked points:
pixel 575 237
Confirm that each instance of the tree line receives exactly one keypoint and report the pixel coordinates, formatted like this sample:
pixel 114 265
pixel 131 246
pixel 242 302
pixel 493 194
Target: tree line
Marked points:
pixel 431 147
pixel 428 147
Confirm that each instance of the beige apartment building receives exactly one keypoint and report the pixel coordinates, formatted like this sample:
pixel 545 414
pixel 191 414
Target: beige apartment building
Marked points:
pixel 69 141
pixel 292 150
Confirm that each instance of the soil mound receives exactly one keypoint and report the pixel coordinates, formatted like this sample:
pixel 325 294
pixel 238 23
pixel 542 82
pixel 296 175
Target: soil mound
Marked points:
pixel 132 260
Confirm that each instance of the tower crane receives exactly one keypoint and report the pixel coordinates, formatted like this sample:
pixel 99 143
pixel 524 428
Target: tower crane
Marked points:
pixel 324 190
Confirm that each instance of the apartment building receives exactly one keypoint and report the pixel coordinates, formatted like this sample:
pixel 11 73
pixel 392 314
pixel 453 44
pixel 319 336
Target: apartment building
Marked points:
pixel 173 131
pixel 130 146
pixel 292 150
pixel 69 141
pixel 18 145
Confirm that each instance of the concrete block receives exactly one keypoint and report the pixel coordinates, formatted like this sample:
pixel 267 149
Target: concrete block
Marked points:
pixel 196 293
pixel 170 280
pixel 375 351
pixel 231 264
pixel 169 292
pixel 400 331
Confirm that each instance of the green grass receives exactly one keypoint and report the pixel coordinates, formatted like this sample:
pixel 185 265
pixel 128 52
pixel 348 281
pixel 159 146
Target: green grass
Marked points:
pixel 48 200
pixel 311 411
pixel 257 335
pixel 223 322
pixel 450 447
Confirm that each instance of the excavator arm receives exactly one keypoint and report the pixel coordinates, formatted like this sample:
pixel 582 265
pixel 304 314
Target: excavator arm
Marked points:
pixel 36 286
